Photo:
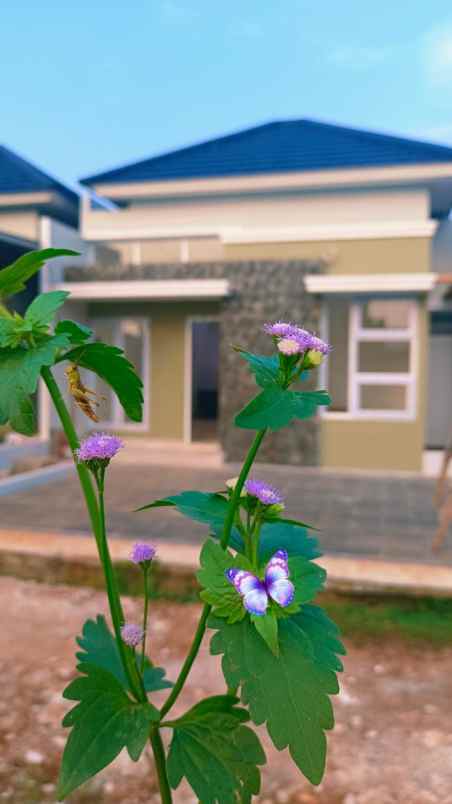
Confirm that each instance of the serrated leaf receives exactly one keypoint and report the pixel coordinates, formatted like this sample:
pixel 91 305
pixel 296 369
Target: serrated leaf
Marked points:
pixel 19 374
pixel 275 408
pixel 208 508
pixel 282 535
pixel 266 368
pixel 288 693
pixel 104 722
pixel 99 648
pixel 77 333
pixel 112 366
pixel 7 332
pixel 216 753
pixel 43 308
pixel 14 276
pixel 216 589
pixel 267 627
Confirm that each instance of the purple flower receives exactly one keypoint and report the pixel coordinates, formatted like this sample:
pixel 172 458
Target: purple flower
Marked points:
pixel 317 345
pixel 99 447
pixel 142 552
pixel 132 634
pixel 264 492
pixel 280 329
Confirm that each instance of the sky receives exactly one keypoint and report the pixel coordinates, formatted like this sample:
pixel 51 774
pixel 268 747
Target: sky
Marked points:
pixel 90 85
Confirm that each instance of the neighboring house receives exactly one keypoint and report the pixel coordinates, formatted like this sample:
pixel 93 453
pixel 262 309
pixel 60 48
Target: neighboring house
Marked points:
pixel 343 231
pixel 36 211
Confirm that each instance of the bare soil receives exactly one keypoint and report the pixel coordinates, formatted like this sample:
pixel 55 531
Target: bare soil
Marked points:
pixel 392 743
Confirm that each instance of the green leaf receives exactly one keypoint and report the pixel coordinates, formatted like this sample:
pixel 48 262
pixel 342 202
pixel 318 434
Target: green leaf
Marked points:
pixel 19 374
pixel 14 276
pixel 308 579
pixel 265 368
pixel 77 333
pixel 104 722
pixel 282 535
pixel 111 365
pixel 99 648
pixel 217 590
pixel 216 753
pixel 207 508
pixel 275 407
pixel 43 308
pixel 8 328
pixel 267 627
pixel 288 693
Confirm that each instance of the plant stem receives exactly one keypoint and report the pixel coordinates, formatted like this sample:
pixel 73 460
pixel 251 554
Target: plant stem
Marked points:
pixel 197 639
pixel 97 517
pixel 145 616
pixel 68 427
pixel 160 765
pixel 117 615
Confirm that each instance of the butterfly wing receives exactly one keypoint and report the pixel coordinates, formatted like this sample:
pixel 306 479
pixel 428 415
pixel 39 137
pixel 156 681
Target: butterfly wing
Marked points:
pixel 251 589
pixel 277 582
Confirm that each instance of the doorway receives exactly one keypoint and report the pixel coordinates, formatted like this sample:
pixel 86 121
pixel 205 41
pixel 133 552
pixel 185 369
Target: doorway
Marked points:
pixel 205 342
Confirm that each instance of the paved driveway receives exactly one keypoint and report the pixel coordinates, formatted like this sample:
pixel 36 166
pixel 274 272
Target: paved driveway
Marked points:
pixel 388 516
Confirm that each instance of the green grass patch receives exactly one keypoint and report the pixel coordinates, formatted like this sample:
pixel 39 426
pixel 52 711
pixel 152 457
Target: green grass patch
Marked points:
pixel 367 617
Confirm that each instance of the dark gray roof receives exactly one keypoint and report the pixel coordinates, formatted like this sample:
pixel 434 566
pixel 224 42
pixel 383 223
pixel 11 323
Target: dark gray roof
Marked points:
pixel 288 145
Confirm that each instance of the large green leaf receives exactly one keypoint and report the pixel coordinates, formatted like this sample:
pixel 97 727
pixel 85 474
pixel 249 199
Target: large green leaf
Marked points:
pixel 283 535
pixel 204 507
pixel 99 648
pixel 8 327
pixel 266 368
pixel 77 333
pixel 14 276
pixel 104 722
pixel 275 407
pixel 43 308
pixel 288 693
pixel 19 374
pixel 110 363
pixel 216 753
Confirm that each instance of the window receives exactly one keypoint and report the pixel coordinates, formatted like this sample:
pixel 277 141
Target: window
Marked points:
pixel 131 335
pixel 372 368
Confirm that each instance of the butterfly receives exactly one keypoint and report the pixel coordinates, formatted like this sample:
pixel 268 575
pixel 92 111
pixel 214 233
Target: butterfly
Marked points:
pixel 256 593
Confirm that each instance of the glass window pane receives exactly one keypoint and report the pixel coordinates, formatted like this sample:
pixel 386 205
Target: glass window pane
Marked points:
pixel 383 397
pixel 384 314
pixel 338 315
pixel 384 356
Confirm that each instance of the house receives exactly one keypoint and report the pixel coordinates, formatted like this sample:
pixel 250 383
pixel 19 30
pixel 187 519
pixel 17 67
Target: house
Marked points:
pixel 32 206
pixel 343 231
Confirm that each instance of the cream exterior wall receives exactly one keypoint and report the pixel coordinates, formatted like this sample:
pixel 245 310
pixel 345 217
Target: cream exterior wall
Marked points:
pixel 20 224
pixel 166 400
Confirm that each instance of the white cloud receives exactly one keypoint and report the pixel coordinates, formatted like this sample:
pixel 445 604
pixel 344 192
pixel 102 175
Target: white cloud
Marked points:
pixel 358 58
pixel 437 55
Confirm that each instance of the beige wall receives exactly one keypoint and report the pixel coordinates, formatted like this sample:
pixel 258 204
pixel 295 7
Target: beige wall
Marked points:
pixel 20 224
pixel 377 444
pixel 394 255
pixel 256 210
pixel 167 358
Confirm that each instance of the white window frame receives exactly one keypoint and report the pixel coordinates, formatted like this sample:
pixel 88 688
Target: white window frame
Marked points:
pixel 117 421
pixel 356 335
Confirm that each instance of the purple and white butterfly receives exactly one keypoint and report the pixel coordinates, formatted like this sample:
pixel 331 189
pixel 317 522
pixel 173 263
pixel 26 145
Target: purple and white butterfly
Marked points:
pixel 256 593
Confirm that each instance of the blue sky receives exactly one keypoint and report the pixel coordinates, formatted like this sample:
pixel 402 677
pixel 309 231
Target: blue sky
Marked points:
pixel 90 85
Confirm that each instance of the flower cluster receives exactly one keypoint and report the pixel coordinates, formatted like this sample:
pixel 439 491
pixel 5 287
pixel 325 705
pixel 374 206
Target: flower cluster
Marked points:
pixel 264 492
pixel 291 340
pixel 99 447
pixel 132 634
pixel 142 553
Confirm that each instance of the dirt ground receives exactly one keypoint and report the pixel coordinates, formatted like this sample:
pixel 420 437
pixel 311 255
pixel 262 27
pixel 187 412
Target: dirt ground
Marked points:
pixel 392 743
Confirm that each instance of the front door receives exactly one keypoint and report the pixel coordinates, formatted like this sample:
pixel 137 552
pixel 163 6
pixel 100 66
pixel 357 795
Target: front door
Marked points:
pixel 204 398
